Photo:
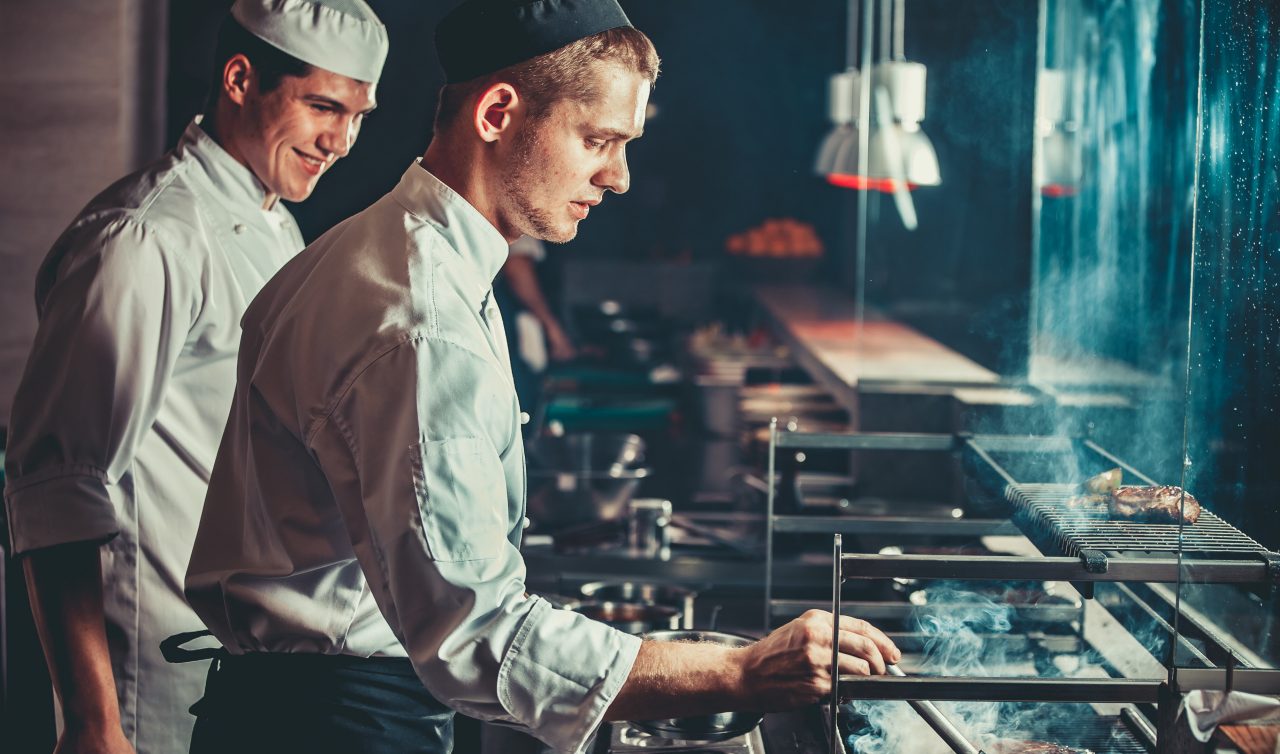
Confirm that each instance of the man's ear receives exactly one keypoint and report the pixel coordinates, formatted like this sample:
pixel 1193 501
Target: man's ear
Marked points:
pixel 492 116
pixel 236 75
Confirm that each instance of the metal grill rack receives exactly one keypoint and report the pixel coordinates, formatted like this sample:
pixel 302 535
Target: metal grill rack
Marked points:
pixel 1238 562
pixel 1220 558
pixel 1052 525
pixel 1210 550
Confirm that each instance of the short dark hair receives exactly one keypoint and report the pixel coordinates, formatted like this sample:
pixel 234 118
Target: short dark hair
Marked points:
pixel 270 63
pixel 557 75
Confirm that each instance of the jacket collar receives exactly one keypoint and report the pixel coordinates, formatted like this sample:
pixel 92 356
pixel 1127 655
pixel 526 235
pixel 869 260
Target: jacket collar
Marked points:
pixel 463 227
pixel 232 179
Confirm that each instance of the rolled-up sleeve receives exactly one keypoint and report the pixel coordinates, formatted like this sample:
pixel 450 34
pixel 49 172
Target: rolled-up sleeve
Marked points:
pixel 114 314
pixel 426 431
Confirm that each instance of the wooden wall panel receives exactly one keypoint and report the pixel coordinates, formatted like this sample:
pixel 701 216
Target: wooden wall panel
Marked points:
pixel 81 85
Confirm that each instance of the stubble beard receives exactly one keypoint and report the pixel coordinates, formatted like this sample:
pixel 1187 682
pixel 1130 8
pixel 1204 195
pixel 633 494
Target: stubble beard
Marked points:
pixel 524 177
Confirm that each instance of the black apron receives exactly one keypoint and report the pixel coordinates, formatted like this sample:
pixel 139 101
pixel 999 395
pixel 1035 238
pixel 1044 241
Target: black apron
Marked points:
pixel 279 703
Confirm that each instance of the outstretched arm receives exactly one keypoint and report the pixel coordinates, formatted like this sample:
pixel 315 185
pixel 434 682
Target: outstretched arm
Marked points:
pixel 788 668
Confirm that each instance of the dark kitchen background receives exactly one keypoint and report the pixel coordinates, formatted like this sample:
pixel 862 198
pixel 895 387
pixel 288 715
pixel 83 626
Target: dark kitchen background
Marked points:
pixel 1151 270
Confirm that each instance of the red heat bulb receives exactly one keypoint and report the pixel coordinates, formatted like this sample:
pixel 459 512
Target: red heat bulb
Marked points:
pixel 862 183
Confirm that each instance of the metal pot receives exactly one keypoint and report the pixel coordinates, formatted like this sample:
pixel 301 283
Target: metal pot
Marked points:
pixel 583 477
pixel 674 597
pixel 717 727
pixel 629 617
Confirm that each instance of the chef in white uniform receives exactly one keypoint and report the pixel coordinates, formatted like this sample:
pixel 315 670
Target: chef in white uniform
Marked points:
pixel 358 555
pixel 125 394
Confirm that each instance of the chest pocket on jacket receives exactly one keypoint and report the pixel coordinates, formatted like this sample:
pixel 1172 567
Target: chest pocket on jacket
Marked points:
pixel 462 498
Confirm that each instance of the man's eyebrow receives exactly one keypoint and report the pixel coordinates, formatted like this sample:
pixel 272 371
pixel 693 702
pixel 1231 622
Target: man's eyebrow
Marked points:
pixel 335 104
pixel 615 133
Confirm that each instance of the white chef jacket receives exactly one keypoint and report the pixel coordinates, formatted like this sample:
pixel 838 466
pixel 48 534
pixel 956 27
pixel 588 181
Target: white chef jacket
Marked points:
pixel 117 419
pixel 369 492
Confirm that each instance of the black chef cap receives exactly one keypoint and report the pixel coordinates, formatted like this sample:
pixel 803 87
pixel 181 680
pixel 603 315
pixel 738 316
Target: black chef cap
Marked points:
pixel 483 36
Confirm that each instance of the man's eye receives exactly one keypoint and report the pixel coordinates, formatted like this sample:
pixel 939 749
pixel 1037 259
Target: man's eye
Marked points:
pixel 321 108
pixel 595 143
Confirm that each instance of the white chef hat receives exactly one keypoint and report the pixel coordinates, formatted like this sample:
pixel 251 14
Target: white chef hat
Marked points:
pixel 342 36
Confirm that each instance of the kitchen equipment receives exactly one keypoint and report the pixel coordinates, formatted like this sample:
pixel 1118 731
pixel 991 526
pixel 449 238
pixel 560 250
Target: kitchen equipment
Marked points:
pixel 647 528
pixel 630 617
pixel 652 594
pixel 715 727
pixel 582 477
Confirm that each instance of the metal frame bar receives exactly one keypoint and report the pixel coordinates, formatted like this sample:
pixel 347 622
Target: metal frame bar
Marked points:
pixel 939 722
pixel 769 522
pixel 1159 620
pixel 837 581
pixel 1096 448
pixel 1002 567
pixel 901 611
pixel 901 525
pixel 870 441
pixel 953 689
pixel 1194 625
pixel 1248 680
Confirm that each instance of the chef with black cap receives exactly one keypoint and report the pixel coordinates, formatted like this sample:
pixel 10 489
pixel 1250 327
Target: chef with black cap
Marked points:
pixel 117 420
pixel 358 556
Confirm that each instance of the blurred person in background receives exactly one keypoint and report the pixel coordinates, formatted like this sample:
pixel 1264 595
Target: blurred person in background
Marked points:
pixel 535 336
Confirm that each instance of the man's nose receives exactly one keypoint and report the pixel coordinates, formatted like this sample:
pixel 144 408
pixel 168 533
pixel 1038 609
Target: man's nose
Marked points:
pixel 615 176
pixel 339 138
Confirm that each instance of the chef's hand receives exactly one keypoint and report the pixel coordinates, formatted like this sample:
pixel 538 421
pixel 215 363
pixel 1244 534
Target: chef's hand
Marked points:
pixel 791 667
pixel 82 739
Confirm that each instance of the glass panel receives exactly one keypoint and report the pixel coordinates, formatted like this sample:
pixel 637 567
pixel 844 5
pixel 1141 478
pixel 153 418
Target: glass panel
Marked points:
pixel 1114 171
pixel 1233 431
pixel 1113 181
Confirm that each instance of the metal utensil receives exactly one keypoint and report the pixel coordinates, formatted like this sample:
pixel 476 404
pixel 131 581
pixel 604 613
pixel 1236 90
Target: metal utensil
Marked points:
pixel 636 591
pixel 940 723
pixel 629 617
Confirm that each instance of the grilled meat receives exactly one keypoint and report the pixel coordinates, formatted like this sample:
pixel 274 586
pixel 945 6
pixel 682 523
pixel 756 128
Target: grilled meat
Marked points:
pixel 1106 482
pixel 1092 503
pixel 1161 504
pixel 1011 746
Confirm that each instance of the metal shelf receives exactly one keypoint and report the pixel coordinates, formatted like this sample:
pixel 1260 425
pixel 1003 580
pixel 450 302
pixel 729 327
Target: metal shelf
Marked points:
pixel 1019 568
pixel 1083 690
pixel 900 612
pixel 869 441
pixel 904 525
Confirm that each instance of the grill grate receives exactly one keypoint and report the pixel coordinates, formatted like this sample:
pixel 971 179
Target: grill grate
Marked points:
pixel 1112 738
pixel 1069 530
pixel 1100 734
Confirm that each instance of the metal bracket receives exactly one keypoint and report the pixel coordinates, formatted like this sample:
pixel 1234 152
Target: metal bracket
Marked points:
pixel 1095 561
pixel 1273 568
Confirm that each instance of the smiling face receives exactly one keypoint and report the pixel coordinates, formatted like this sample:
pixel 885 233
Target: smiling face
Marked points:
pixel 562 163
pixel 292 134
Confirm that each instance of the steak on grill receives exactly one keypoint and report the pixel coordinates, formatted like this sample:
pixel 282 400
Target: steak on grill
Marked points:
pixel 1161 504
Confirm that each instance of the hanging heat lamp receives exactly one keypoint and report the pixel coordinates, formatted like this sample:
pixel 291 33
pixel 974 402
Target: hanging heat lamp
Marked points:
pixel 842 98
pixel 1057 169
pixel 900 156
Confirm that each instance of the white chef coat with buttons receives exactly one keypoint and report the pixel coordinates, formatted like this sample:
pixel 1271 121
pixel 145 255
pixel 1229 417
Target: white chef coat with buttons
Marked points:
pixel 369 495
pixel 119 413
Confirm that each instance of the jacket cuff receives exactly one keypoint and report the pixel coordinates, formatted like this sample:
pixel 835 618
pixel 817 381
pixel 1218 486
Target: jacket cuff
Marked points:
pixel 58 507
pixel 561 673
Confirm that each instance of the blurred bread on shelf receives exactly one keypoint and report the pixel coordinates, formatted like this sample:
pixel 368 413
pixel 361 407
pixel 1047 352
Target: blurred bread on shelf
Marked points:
pixel 777 238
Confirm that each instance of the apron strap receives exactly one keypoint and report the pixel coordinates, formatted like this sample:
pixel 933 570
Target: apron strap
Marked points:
pixel 175 653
